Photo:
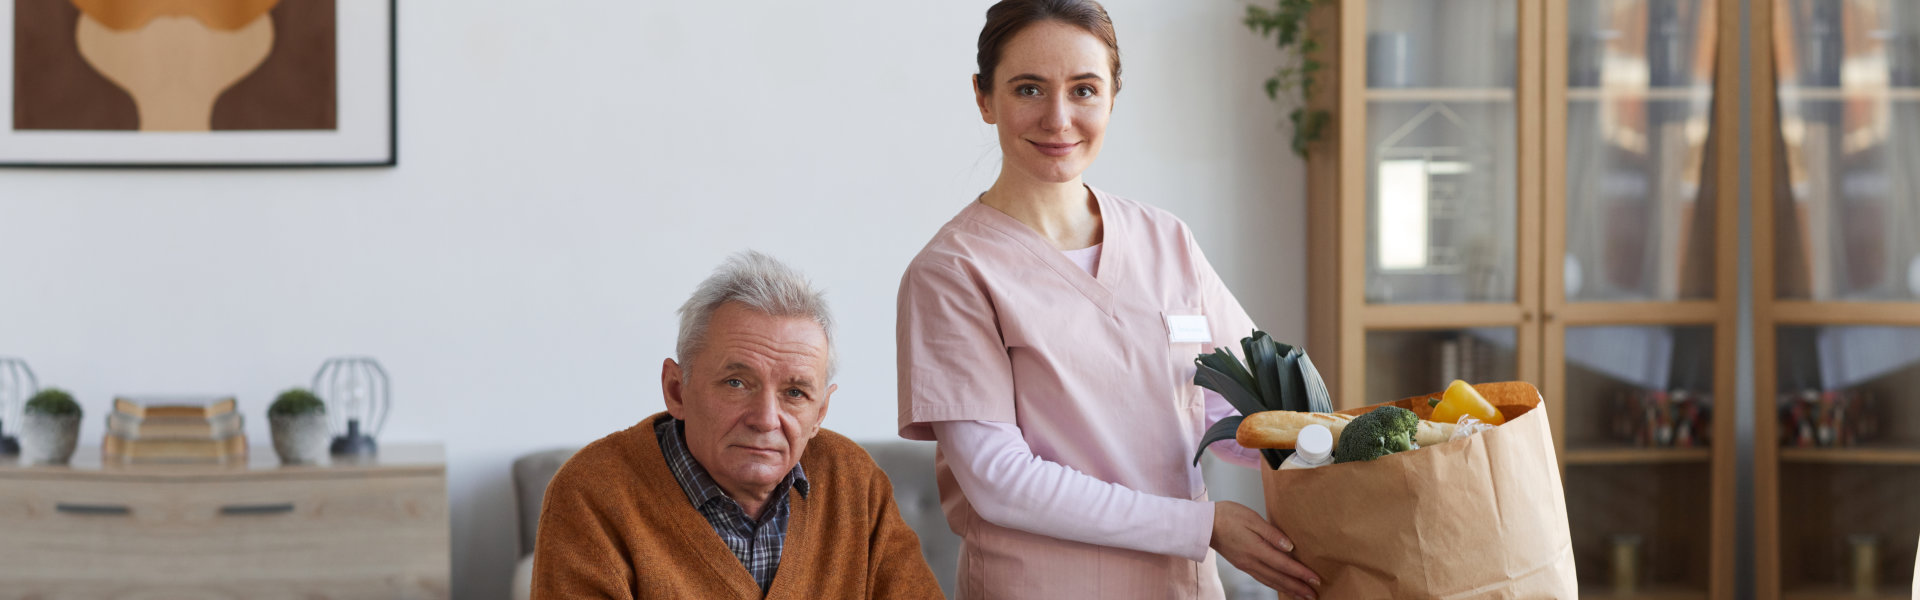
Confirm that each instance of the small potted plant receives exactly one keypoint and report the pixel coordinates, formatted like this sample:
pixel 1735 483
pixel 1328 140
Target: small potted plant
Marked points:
pixel 299 423
pixel 50 426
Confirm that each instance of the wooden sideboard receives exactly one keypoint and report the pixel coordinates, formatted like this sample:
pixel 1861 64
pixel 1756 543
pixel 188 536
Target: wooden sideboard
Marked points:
pixel 376 528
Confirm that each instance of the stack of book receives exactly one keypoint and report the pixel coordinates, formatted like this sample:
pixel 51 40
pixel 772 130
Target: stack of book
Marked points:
pixel 175 433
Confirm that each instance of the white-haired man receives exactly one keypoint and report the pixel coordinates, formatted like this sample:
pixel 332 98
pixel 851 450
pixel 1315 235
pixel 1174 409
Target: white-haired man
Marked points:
pixel 735 491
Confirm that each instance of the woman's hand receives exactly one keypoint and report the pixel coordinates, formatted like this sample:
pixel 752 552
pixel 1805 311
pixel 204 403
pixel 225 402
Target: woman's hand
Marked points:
pixel 1261 550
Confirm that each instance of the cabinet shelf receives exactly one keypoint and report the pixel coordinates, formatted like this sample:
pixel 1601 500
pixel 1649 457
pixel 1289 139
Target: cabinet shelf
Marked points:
pixel 1439 95
pixel 1649 593
pixel 1792 92
pixel 1860 455
pixel 1634 455
pixel 1590 94
pixel 1842 593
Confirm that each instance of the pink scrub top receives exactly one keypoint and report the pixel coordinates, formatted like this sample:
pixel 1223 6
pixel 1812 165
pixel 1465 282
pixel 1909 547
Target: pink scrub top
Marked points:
pixel 995 324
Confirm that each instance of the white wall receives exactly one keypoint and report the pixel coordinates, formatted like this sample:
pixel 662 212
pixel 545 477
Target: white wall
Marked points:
pixel 568 172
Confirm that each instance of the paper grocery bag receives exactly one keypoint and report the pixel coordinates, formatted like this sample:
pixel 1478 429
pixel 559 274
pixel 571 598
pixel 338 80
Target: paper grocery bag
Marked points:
pixel 1480 517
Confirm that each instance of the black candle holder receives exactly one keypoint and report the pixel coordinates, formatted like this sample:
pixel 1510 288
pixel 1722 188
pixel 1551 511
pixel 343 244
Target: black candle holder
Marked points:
pixel 354 442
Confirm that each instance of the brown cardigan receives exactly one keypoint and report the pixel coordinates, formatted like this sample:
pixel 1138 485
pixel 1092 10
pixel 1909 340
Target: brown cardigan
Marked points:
pixel 615 524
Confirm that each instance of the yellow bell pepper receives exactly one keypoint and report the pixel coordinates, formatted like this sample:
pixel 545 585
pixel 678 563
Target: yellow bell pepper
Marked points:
pixel 1461 400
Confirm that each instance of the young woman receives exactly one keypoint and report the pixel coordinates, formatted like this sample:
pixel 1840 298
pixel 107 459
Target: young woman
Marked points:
pixel 1046 339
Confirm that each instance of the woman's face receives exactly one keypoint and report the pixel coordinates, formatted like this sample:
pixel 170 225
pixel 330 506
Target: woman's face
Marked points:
pixel 1052 95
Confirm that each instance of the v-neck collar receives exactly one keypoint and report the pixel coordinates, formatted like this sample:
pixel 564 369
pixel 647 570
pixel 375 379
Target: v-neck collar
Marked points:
pixel 1097 286
pixel 694 530
pixel 696 533
pixel 796 552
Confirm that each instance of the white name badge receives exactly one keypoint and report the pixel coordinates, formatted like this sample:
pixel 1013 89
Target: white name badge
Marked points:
pixel 1188 328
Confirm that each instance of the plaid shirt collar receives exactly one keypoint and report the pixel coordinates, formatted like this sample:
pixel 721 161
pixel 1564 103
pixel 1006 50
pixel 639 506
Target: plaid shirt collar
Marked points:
pixel 757 543
pixel 699 485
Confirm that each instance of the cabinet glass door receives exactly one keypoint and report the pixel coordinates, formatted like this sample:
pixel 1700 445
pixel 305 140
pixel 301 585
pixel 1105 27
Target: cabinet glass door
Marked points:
pixel 1639 199
pixel 1442 139
pixel 1638 388
pixel 1847 199
pixel 1638 429
pixel 1848 407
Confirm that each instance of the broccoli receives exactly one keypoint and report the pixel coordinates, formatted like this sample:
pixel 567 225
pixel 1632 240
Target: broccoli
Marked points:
pixel 1384 431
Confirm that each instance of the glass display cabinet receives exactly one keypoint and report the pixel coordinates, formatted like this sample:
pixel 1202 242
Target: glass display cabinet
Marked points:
pixel 1538 190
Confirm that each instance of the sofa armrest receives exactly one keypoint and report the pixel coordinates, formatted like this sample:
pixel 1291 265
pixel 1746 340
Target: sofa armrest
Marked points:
pixel 916 490
pixel 523 579
pixel 531 472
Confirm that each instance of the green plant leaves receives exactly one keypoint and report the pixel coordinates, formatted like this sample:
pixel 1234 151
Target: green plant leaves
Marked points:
pixel 1286 22
pixel 296 401
pixel 53 402
pixel 1260 20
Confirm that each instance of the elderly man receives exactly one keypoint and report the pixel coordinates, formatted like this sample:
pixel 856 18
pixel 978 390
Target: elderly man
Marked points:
pixel 735 491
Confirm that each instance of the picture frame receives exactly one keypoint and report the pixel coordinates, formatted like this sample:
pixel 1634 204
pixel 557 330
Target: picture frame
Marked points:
pixel 199 83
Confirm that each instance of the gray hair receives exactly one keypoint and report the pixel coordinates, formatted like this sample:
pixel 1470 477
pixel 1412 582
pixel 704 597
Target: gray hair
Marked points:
pixel 761 283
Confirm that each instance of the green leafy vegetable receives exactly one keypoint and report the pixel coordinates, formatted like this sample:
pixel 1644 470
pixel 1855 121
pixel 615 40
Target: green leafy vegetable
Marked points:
pixel 1222 430
pixel 1276 377
pixel 1222 373
pixel 1311 386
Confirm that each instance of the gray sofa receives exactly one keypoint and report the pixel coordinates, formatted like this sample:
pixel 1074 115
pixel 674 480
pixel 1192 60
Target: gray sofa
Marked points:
pixel 908 464
pixel 910 467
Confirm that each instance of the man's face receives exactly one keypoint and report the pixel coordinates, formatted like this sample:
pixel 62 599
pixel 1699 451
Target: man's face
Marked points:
pixel 752 397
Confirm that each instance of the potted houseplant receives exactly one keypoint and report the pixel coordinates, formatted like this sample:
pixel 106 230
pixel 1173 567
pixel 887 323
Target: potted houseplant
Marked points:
pixel 50 426
pixel 298 420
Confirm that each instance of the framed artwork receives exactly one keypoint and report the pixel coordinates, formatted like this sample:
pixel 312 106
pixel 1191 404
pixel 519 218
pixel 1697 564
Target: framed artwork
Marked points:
pixel 197 83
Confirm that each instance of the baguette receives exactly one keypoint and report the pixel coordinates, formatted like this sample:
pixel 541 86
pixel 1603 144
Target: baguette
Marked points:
pixel 1281 429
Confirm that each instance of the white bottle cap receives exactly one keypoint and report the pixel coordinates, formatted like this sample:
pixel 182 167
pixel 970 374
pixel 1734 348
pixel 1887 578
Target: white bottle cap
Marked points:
pixel 1315 444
